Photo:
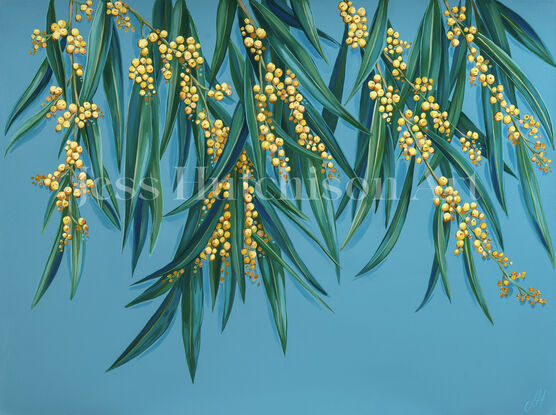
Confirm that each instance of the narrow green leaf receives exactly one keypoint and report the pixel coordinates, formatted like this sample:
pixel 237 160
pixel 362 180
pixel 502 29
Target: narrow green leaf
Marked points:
pixel 472 278
pixel 154 329
pixel 51 267
pixel 112 80
pixel 396 226
pixel 77 252
pixel 192 319
pixel 375 154
pixel 493 131
pixel 98 48
pixel 36 86
pixel 286 15
pixel 27 126
pixel 268 250
pixel 336 83
pixel 225 15
pixel 521 31
pixel 275 287
pixel 304 14
pixel 137 150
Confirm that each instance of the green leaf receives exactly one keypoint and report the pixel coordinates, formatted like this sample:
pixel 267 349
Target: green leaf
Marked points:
pixel 51 267
pixel 92 141
pixel 77 252
pixel 298 60
pixel 236 69
pixel 430 55
pixel 180 26
pixel 286 15
pixel 320 200
pixel 154 329
pixel 375 154
pixel 375 44
pixel 519 79
pixel 396 226
pixel 532 197
pixel 521 31
pixel 162 20
pixel 440 266
pixel 192 319
pixel 304 14
pixel 277 231
pixel 28 125
pixel 251 118
pixel 275 287
pixel 112 80
pixel 268 250
pixel 137 151
pixel 153 179
pixel 140 230
pixel 236 239
pixel 54 51
pixel 215 267
pixel 36 86
pixel 153 291
pixel 336 83
pixel 225 15
pixel 493 131
pixel 473 280
pixel 98 48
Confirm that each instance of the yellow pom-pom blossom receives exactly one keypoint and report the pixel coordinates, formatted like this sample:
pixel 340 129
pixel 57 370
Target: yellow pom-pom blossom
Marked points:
pixel 422 87
pixel 71 114
pixel 219 244
pixel 472 224
pixel 519 129
pixel 276 84
pixel 253 39
pixel 357 24
pixel 69 181
pixel 118 9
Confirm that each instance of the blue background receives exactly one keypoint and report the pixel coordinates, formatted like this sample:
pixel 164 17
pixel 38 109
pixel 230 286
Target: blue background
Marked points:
pixel 374 355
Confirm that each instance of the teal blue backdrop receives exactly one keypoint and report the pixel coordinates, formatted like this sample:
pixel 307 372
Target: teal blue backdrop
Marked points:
pixel 373 355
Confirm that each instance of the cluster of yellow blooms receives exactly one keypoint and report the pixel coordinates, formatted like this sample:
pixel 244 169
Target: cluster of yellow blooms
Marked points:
pixel 219 241
pixel 79 115
pixel 221 90
pixel 78 69
pixel 38 40
pixel 472 225
pixel 395 48
pixel 87 9
pixel 414 141
pixel 78 185
pixel 253 39
pixel 455 15
pixel 216 134
pixel 387 99
pixel 118 9
pixel 141 71
pixel 509 114
pixel 357 22
pixel 275 85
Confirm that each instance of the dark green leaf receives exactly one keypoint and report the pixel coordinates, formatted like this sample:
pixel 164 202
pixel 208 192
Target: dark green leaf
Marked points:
pixel 472 278
pixel 304 14
pixel 396 226
pixel 154 329
pixel 192 319
pixel 35 88
pixel 224 21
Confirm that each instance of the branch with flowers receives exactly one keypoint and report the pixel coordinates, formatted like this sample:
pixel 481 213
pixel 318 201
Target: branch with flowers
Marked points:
pixel 248 165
